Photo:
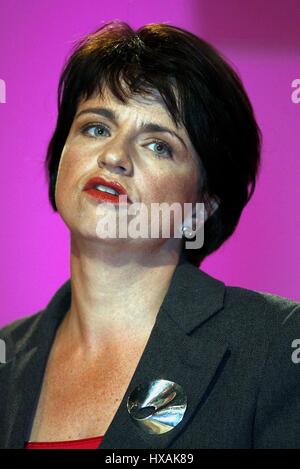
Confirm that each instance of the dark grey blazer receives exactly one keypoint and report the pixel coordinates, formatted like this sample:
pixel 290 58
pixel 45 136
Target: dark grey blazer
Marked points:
pixel 229 348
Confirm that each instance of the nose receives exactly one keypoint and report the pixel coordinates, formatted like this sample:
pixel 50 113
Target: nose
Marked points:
pixel 115 158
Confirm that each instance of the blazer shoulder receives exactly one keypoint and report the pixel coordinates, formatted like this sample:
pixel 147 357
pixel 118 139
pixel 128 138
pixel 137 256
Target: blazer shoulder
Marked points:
pixel 259 297
pixel 43 319
pixel 20 327
pixel 261 305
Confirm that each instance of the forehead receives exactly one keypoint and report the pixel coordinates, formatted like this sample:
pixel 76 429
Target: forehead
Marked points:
pixel 139 107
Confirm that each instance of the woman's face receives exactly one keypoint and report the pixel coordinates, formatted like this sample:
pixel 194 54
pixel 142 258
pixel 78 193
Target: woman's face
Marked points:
pixel 152 166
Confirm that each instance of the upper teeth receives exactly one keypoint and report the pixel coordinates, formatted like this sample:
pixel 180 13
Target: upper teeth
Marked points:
pixel 106 189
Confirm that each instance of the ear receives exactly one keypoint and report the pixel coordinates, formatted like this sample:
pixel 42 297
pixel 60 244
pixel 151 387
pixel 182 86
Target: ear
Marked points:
pixel 211 206
pixel 200 213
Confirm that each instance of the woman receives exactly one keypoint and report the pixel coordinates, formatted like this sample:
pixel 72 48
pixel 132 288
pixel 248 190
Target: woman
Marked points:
pixel 155 116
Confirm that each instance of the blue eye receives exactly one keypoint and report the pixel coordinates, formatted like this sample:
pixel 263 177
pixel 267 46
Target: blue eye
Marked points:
pixel 90 130
pixel 167 149
pixel 163 150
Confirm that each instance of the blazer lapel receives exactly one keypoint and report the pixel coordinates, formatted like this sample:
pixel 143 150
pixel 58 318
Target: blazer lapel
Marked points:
pixel 174 354
pixel 23 380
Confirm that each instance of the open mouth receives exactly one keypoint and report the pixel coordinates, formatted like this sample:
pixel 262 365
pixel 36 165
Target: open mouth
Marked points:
pixel 108 191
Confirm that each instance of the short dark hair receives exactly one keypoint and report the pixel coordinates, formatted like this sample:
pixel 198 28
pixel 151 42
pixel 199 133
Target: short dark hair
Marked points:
pixel 213 107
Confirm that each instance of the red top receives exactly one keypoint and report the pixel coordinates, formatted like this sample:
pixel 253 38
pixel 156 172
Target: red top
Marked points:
pixel 85 443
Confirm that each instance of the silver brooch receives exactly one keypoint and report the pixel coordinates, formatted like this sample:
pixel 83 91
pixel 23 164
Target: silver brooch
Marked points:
pixel 157 407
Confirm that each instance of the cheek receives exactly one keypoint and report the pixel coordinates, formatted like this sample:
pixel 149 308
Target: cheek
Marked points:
pixel 180 187
pixel 189 184
pixel 64 179
pixel 71 169
pixel 75 162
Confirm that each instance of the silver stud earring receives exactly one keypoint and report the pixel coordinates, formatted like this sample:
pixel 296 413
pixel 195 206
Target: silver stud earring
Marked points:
pixel 157 407
pixel 187 232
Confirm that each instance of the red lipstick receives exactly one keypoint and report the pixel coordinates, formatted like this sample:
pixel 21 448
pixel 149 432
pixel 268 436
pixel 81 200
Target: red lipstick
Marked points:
pixel 101 195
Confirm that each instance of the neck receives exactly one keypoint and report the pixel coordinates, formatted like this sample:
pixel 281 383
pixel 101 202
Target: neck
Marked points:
pixel 116 293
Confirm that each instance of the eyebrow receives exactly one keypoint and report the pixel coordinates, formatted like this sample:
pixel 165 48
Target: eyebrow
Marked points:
pixel 144 127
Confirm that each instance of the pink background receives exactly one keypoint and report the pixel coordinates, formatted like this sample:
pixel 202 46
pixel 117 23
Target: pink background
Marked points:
pixel 262 41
